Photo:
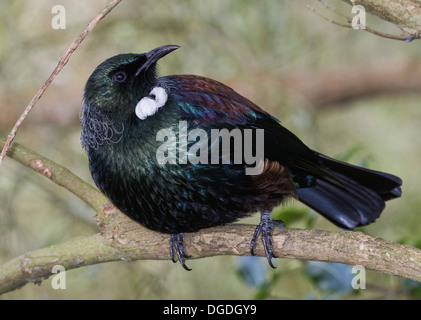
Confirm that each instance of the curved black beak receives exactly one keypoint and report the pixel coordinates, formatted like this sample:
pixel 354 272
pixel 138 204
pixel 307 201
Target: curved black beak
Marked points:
pixel 156 54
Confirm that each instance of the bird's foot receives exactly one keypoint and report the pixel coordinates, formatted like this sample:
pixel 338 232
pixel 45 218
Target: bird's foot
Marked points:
pixel 265 228
pixel 177 246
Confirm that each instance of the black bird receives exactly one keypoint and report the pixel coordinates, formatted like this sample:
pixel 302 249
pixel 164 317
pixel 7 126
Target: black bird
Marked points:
pixel 127 107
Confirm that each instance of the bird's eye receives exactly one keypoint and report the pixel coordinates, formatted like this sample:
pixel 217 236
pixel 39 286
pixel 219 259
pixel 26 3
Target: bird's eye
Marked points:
pixel 119 76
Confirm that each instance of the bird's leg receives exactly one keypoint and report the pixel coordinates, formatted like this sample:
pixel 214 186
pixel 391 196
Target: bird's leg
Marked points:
pixel 177 246
pixel 265 228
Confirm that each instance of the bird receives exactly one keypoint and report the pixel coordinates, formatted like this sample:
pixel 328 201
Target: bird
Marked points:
pixel 129 115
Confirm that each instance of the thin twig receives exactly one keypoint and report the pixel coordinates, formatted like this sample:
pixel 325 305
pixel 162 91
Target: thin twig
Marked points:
pixel 60 65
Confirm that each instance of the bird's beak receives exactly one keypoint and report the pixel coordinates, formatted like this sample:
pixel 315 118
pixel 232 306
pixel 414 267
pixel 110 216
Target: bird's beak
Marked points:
pixel 156 54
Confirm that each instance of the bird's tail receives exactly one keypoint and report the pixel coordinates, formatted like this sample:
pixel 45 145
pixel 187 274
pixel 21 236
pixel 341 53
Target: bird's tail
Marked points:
pixel 348 195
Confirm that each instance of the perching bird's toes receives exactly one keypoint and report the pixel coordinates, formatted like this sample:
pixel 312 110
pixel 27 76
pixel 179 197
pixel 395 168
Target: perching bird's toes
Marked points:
pixel 265 229
pixel 177 246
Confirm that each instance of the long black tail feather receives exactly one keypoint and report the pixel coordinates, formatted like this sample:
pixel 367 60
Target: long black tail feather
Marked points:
pixel 349 196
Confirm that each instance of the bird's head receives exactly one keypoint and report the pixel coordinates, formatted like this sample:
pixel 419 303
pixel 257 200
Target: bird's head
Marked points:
pixel 119 82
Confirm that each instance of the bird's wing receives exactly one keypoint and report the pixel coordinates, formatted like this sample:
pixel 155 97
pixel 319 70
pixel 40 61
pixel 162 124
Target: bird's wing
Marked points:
pixel 208 103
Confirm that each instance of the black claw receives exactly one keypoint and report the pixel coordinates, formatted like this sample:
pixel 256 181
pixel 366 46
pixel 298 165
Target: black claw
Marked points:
pixel 177 246
pixel 253 241
pixel 265 228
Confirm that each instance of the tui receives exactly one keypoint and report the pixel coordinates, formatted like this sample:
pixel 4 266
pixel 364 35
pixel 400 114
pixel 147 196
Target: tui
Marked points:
pixel 125 108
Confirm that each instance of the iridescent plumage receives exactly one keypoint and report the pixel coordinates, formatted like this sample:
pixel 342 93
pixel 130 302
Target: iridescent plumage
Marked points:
pixel 186 197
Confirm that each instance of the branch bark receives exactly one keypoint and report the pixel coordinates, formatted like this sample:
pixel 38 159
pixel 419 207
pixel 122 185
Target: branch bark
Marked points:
pixel 121 238
pixel 406 14
pixel 127 241
pixel 59 175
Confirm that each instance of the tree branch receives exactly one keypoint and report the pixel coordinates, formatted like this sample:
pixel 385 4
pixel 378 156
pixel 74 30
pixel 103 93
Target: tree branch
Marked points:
pixel 123 239
pixel 406 14
pixel 59 175
pixel 128 241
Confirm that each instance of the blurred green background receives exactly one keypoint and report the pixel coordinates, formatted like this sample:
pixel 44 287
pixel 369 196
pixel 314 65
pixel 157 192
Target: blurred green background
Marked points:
pixel 250 46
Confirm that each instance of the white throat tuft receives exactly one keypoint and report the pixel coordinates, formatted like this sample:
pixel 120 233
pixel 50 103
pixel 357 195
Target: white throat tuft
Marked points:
pixel 149 105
